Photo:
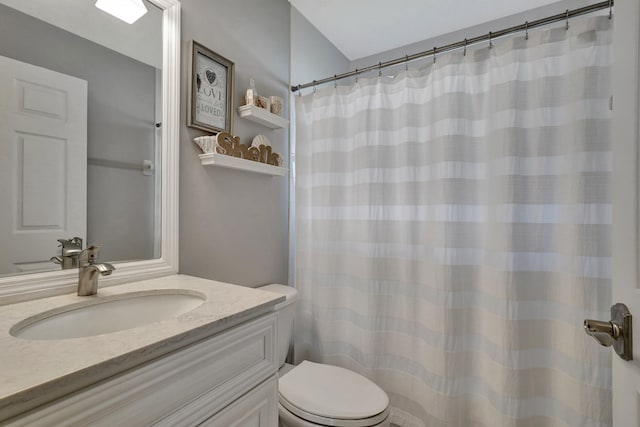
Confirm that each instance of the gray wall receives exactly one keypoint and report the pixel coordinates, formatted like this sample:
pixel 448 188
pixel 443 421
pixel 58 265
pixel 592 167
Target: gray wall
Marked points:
pixel 121 107
pixel 234 224
pixel 456 36
pixel 313 57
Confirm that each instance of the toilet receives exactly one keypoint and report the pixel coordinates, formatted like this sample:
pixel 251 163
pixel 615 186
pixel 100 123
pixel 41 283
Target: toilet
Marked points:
pixel 313 394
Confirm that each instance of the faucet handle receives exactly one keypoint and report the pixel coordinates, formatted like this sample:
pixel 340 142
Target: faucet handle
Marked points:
pixel 93 251
pixel 74 242
pixel 90 254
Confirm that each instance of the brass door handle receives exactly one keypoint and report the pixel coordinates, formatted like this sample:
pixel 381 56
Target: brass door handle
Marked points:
pixel 616 333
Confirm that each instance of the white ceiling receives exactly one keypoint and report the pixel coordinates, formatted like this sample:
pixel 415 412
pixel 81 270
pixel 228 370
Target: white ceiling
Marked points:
pixel 141 41
pixel 359 28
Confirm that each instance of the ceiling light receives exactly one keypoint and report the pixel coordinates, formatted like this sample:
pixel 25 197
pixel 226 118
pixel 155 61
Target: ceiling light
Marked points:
pixel 127 10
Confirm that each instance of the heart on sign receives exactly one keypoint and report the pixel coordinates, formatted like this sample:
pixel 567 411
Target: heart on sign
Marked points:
pixel 211 76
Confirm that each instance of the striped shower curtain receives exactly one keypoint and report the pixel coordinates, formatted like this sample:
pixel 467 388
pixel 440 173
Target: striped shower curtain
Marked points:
pixel 453 231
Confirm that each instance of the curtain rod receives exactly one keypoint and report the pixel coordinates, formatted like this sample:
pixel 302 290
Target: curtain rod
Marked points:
pixel 466 42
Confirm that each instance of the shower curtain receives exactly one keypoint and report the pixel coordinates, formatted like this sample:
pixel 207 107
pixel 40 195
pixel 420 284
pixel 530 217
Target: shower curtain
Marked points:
pixel 453 231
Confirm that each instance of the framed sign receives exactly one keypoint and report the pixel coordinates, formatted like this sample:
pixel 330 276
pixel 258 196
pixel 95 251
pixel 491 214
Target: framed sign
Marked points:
pixel 210 91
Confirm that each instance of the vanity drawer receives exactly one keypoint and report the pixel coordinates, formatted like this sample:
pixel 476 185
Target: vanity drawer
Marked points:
pixel 217 370
pixel 258 408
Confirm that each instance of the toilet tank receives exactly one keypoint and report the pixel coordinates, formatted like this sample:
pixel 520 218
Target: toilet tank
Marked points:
pixel 286 311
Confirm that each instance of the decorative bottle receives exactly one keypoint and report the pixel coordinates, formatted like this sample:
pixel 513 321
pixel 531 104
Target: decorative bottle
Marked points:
pixel 252 95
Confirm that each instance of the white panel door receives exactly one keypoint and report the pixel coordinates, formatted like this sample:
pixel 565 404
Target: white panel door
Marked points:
pixel 626 287
pixel 43 164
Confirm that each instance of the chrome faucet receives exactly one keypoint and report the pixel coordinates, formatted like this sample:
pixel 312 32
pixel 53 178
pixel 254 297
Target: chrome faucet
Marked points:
pixel 89 271
pixel 71 249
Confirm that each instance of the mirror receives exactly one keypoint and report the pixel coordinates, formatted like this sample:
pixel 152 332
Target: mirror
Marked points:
pixel 129 158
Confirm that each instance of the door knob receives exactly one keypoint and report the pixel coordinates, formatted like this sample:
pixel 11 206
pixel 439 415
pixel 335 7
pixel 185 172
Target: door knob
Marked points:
pixel 616 332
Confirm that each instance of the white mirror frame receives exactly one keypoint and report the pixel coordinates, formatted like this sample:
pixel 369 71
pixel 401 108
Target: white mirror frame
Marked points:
pixel 39 285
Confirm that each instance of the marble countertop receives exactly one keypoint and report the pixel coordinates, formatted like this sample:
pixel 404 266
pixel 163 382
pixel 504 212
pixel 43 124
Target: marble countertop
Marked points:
pixel 33 372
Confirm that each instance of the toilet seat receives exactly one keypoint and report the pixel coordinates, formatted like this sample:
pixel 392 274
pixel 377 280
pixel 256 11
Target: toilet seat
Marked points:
pixel 338 397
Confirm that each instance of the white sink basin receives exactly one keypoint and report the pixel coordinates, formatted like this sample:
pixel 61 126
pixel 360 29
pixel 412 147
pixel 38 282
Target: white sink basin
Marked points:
pixel 108 314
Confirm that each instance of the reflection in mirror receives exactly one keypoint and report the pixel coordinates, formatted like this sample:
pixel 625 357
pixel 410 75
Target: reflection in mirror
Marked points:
pixel 80 133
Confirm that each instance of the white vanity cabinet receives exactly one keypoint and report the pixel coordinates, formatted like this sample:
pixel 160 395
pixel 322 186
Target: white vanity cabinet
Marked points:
pixel 228 379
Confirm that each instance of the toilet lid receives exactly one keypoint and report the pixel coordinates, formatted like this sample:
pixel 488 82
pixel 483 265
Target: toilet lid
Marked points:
pixel 331 392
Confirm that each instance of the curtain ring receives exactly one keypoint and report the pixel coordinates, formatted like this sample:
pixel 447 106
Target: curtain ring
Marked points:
pixel 464 52
pixel 567 17
pixel 434 54
pixel 356 75
pixel 379 69
pixel 406 61
pixel 490 40
pixel 526 30
pixel 610 10
pixel 335 81
pixel 314 86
